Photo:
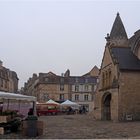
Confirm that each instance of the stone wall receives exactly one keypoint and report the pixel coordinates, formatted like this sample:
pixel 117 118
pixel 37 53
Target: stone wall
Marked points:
pixel 52 90
pixel 107 64
pixel 125 100
pixel 8 80
pixel 129 95
pixel 98 107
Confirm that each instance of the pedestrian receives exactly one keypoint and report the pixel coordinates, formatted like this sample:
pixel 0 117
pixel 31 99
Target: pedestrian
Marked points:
pixel 80 110
pixel 30 112
pixel 69 110
pixel 84 110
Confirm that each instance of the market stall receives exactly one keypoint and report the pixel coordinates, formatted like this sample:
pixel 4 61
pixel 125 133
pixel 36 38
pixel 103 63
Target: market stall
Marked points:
pixel 69 107
pixel 13 109
pixel 48 108
pixel 18 102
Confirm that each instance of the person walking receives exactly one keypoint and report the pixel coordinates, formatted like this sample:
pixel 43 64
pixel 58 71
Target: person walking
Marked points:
pixel 84 110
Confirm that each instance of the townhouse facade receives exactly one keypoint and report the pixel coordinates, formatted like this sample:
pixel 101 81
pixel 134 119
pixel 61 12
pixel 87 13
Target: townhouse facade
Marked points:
pixel 8 79
pixel 84 87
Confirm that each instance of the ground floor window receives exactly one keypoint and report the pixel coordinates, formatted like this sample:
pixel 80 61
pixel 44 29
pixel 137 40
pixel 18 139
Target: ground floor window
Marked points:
pixel 61 97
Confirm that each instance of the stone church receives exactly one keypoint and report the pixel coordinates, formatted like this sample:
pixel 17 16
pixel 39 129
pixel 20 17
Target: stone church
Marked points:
pixel 118 96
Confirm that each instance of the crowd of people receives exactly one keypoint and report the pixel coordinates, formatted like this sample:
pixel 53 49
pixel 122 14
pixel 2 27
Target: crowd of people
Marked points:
pixel 82 110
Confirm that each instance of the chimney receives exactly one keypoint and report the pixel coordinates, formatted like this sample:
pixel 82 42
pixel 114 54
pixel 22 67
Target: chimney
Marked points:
pixel 1 63
pixel 67 73
pixel 62 74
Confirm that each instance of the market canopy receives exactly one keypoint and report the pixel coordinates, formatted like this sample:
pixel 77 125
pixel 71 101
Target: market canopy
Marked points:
pixel 52 102
pixel 69 103
pixel 14 96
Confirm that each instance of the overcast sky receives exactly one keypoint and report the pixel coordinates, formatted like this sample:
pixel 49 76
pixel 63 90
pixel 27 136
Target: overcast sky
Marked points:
pixel 56 35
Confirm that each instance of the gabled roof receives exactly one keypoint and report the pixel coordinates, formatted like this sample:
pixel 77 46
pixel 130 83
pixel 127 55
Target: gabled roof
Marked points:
pixel 125 58
pixel 118 30
pixel 50 74
pixel 93 72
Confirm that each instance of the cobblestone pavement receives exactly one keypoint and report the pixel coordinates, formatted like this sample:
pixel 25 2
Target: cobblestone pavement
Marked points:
pixel 83 127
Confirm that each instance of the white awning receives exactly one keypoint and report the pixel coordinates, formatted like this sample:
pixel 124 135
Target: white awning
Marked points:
pixel 52 102
pixel 8 95
pixel 70 103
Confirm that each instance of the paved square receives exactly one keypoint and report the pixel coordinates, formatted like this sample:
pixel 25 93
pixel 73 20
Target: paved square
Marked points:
pixel 83 127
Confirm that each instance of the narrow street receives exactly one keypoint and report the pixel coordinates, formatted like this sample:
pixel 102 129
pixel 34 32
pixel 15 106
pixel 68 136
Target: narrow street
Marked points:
pixel 82 127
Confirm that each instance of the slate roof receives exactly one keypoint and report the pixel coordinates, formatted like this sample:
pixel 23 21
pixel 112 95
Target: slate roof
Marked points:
pixel 126 59
pixel 82 79
pixel 118 30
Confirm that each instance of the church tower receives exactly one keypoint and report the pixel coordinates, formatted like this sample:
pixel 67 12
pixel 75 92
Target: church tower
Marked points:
pixel 118 36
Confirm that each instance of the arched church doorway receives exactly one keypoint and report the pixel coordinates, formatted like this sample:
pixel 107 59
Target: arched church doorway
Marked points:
pixel 106 110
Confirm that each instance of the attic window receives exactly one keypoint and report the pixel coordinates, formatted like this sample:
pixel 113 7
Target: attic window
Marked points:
pixel 76 79
pixel 46 79
pixel 86 80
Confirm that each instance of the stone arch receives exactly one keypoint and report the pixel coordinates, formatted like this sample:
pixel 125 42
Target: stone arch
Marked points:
pixel 106 106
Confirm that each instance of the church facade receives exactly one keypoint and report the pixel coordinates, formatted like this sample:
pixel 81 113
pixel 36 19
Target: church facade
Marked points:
pixel 118 96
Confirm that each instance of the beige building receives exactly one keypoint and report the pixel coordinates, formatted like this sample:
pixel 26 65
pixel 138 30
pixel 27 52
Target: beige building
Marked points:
pixel 118 96
pixel 84 87
pixel 8 80
pixel 79 89
pixel 47 86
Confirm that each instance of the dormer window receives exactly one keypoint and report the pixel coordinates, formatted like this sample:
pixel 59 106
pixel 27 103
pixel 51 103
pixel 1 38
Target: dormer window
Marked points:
pixel 86 80
pixel 76 80
pixel 46 79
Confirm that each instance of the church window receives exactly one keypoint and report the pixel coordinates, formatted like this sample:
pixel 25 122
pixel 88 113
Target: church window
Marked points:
pixel 103 80
pixel 109 77
pixel 106 79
